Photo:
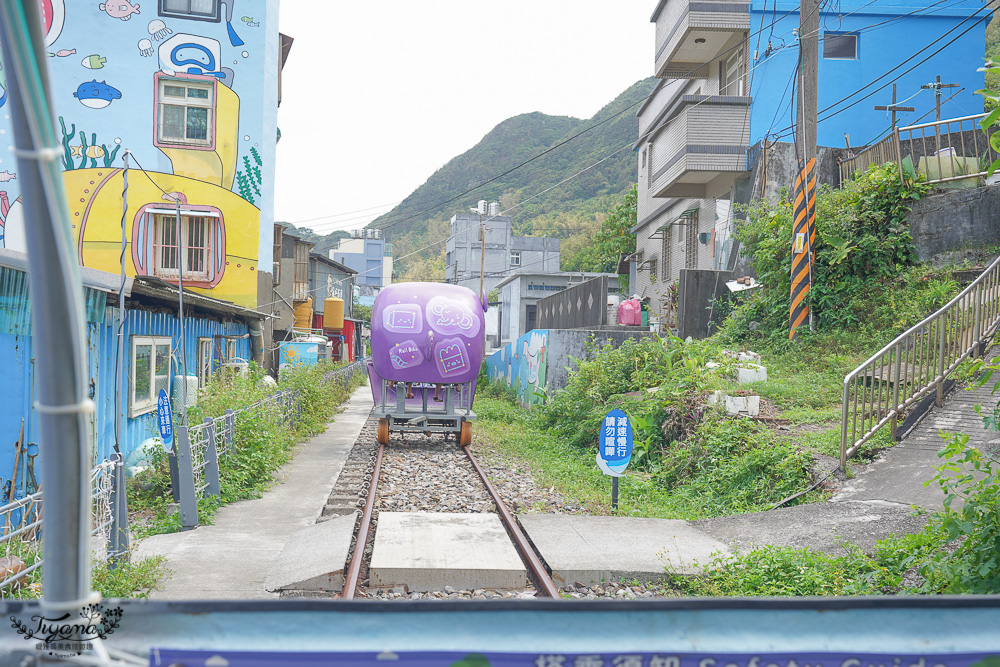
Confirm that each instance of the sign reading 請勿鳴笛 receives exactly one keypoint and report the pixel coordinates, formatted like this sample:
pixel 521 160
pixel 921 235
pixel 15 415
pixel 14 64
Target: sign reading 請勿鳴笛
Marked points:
pixel 614 444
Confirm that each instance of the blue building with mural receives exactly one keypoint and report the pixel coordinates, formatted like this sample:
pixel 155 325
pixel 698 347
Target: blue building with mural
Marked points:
pixel 167 113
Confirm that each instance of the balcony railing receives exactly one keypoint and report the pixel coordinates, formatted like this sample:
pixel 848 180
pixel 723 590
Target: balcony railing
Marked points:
pixel 691 33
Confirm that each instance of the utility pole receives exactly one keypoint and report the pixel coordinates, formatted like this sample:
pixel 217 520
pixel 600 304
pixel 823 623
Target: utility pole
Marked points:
pixel 895 109
pixel 804 207
pixel 936 87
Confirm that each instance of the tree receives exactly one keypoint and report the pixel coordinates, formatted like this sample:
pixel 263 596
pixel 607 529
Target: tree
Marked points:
pixel 616 237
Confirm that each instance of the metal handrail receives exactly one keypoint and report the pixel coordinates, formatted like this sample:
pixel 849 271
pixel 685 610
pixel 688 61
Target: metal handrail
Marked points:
pixel 932 123
pixel 878 391
pixel 884 151
pixel 948 149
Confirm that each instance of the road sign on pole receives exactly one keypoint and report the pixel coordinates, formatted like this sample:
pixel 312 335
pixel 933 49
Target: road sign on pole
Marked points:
pixel 614 449
pixel 165 419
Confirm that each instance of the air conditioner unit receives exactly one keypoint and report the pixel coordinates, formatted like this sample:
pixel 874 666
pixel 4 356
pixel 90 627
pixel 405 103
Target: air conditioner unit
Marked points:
pixel 238 367
pixel 192 390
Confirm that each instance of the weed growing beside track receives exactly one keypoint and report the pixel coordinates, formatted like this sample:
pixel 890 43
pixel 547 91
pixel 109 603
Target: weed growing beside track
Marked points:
pixel 260 446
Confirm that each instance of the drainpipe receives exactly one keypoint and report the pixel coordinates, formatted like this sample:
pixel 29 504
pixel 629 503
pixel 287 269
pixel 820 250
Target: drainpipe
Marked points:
pixel 256 341
pixel 62 403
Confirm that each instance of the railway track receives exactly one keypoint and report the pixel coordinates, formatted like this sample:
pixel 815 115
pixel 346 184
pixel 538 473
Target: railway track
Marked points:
pixel 424 473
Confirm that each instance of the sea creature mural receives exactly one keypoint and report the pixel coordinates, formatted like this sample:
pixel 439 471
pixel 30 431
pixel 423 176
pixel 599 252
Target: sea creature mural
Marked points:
pixel 145 48
pixel 250 22
pixel 119 9
pixel 251 178
pixel 94 61
pixel 13 224
pixel 6 176
pixel 83 150
pixel 62 53
pixel 96 94
pixel 4 207
pixel 158 29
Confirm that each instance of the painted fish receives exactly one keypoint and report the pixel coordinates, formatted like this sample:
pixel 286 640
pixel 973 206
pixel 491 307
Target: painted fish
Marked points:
pixel 119 9
pixel 95 151
pixel 6 176
pixel 94 61
pixel 247 19
pixel 96 95
pixel 75 151
pixel 62 53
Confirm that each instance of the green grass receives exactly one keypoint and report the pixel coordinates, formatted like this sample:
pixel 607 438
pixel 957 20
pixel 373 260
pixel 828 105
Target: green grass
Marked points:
pixel 734 468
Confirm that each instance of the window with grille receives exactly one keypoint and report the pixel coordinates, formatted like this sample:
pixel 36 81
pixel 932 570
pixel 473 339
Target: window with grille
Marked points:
pixel 149 372
pixel 665 255
pixel 185 112
pixel 202 10
pixel 691 242
pixel 194 236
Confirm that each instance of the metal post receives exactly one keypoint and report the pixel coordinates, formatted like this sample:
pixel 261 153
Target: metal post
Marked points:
pixel 897 368
pixel 175 485
pixel 230 429
pixel 58 328
pixel 185 479
pixel 211 460
pixel 614 494
pixel 939 396
pixel 118 544
pixel 180 314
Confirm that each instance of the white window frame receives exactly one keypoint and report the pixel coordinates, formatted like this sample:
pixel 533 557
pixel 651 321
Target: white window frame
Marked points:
pixel 163 100
pixel 731 74
pixel 515 258
pixel 141 404
pixel 204 361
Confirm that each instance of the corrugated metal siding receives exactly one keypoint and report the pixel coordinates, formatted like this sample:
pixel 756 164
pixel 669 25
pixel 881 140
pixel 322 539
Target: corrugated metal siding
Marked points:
pixel 144 323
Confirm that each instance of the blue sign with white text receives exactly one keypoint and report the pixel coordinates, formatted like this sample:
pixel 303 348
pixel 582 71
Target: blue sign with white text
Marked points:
pixel 165 418
pixel 614 444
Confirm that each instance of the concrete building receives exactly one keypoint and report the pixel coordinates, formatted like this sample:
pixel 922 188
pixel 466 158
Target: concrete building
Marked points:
pixel 328 278
pixel 291 288
pixel 506 254
pixel 520 292
pixel 367 253
pixel 725 75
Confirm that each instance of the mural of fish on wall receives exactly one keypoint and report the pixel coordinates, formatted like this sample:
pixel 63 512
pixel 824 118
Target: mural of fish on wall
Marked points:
pixel 96 95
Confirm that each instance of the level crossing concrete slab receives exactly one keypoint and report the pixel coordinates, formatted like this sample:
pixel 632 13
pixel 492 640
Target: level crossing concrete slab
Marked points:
pixel 427 551
pixel 315 558
pixel 232 558
pixel 595 549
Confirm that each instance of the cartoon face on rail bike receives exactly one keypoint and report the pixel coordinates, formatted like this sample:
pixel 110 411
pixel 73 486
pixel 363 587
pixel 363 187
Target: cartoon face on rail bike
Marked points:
pixel 451 317
pixel 405 355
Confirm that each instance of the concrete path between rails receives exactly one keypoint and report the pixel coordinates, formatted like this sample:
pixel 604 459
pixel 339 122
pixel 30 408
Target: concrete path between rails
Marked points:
pixel 233 558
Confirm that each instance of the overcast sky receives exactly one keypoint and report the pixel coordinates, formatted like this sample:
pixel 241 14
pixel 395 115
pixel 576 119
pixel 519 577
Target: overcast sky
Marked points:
pixel 377 95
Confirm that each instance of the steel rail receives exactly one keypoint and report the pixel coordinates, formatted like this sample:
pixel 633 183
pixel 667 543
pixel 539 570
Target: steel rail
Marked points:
pixel 520 541
pixel 354 569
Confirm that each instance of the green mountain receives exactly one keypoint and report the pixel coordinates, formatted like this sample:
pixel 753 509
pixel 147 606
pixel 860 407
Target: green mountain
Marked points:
pixel 572 210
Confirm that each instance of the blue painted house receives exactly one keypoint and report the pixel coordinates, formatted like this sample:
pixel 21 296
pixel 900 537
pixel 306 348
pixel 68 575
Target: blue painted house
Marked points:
pixel 727 95
pixel 217 333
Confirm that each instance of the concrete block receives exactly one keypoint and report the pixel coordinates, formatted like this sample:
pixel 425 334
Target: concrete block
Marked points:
pixel 747 373
pixel 595 549
pixel 736 405
pixel 314 558
pixel 427 551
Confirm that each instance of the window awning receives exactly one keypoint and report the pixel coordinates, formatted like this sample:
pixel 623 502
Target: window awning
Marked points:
pixel 689 214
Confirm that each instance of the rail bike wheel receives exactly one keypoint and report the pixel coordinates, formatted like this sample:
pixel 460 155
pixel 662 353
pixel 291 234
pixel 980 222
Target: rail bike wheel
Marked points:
pixel 383 432
pixel 465 436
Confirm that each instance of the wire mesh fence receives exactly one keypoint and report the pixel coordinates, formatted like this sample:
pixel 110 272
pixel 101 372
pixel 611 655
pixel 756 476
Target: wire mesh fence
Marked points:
pixel 21 523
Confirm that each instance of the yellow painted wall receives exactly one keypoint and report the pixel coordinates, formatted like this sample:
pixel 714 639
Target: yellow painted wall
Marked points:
pixel 217 166
pixel 100 242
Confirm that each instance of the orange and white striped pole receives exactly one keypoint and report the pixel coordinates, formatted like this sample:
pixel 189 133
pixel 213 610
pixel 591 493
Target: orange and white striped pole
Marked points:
pixel 803 242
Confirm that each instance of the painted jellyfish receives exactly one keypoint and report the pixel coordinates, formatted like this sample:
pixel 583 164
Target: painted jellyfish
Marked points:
pixel 158 29
pixel 145 47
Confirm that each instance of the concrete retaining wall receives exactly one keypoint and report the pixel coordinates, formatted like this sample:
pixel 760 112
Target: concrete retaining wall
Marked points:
pixel 955 220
